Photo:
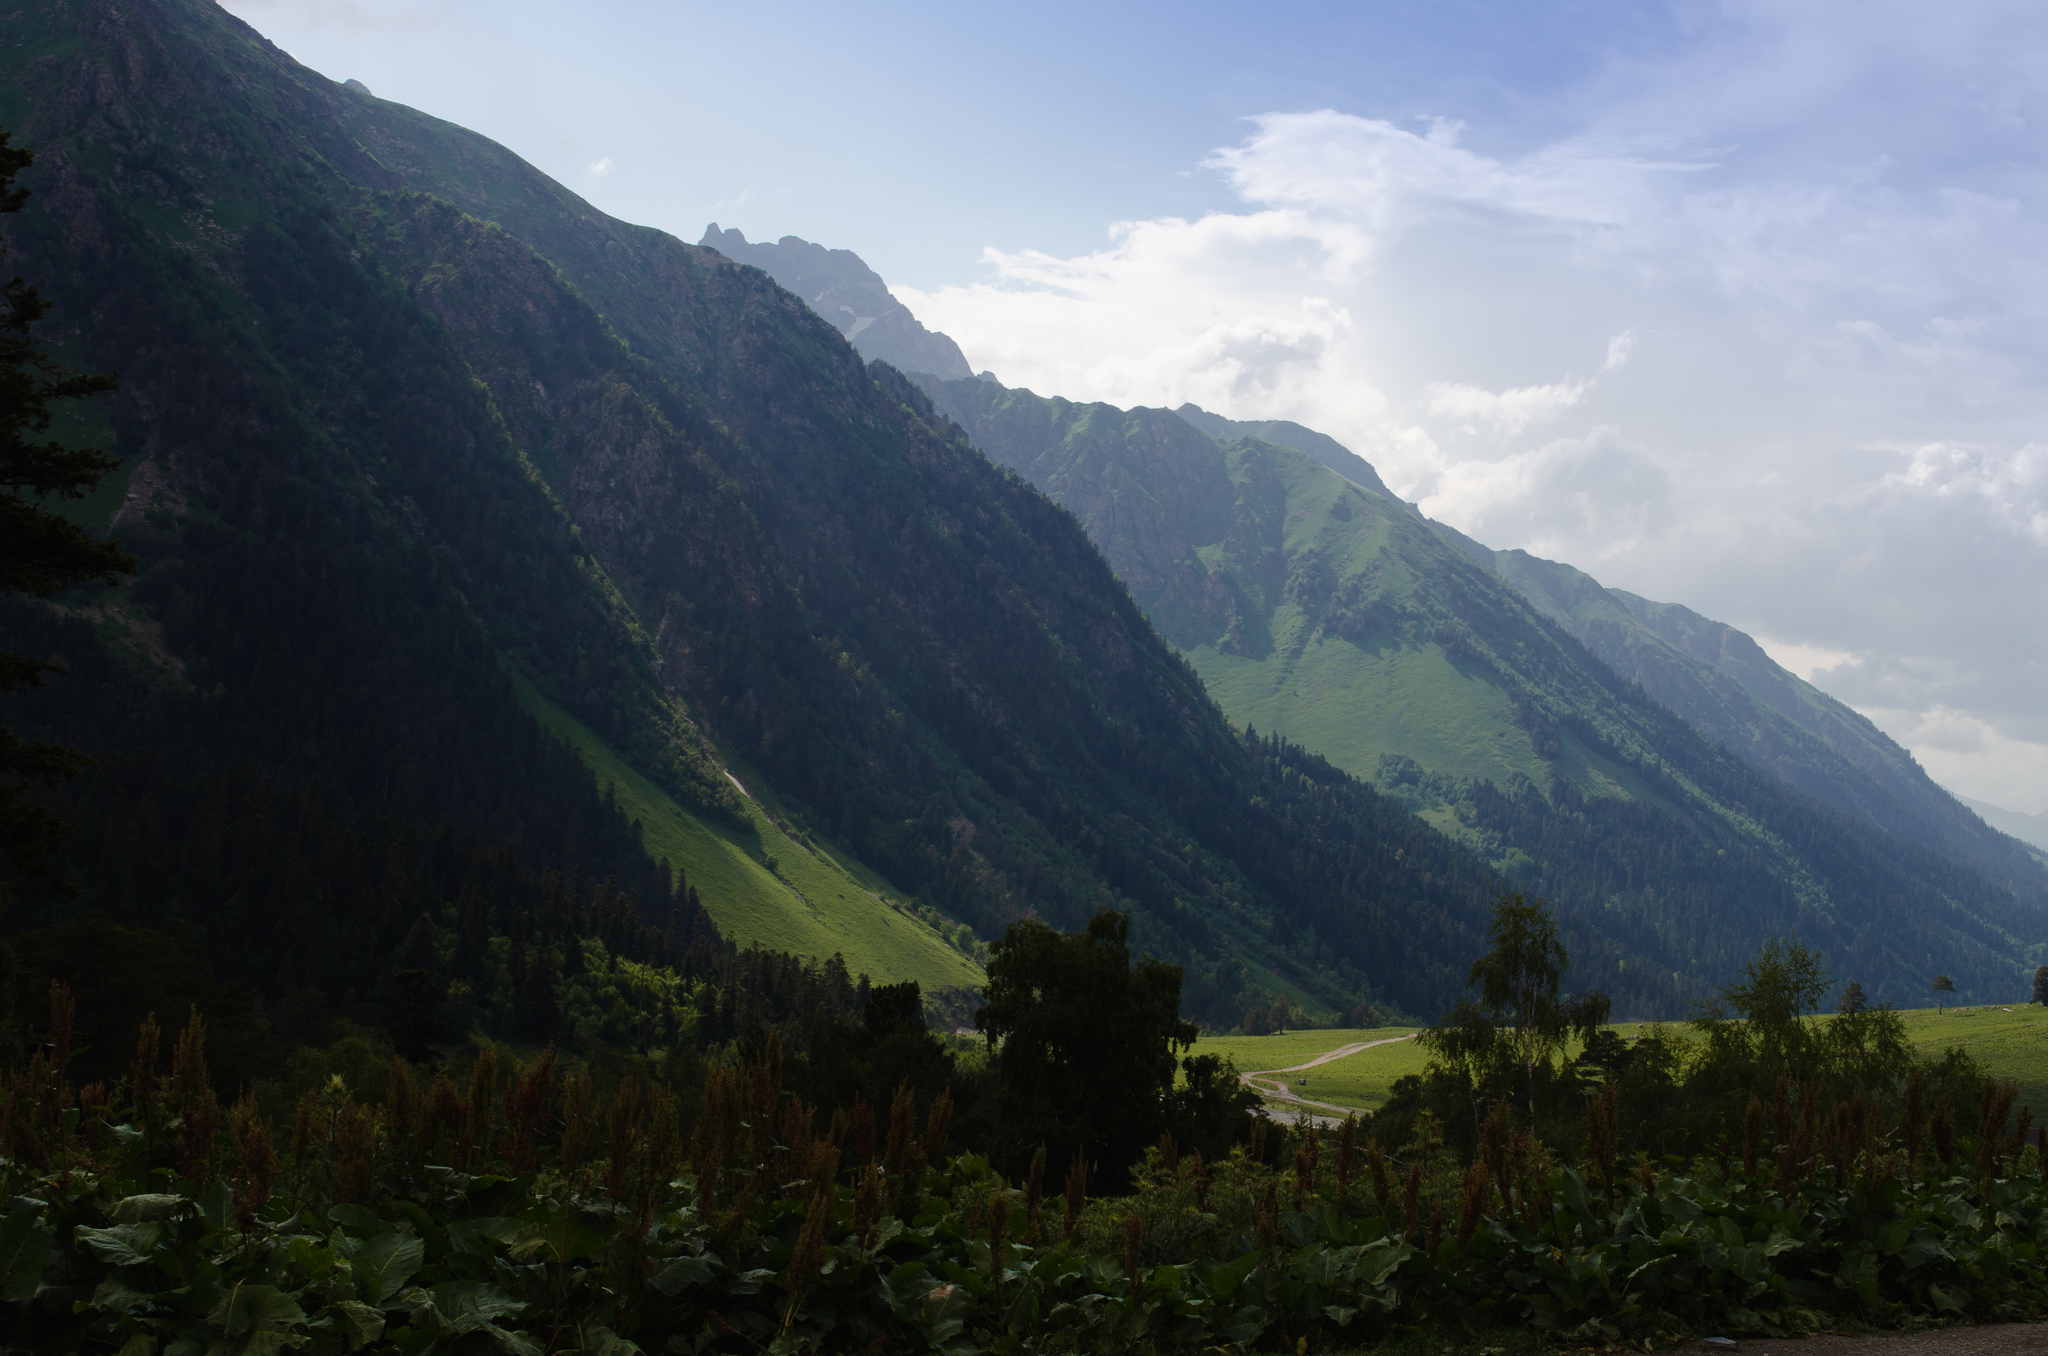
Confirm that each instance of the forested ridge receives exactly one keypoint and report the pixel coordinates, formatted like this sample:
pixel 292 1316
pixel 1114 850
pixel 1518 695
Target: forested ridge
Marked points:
pixel 381 450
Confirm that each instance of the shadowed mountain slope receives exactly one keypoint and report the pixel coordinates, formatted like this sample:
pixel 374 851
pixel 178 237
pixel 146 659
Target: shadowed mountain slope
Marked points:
pixel 1337 617
pixel 402 416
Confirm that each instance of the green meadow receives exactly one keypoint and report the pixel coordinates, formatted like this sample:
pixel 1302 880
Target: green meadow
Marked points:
pixel 815 901
pixel 2009 1043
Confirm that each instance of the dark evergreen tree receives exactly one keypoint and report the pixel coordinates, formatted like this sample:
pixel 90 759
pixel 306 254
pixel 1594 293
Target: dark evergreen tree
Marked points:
pixel 1853 999
pixel 41 552
pixel 2040 985
pixel 1085 1042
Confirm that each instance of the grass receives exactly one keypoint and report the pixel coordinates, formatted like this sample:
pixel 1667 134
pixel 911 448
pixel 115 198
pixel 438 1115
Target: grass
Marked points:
pixel 2009 1044
pixel 817 901
pixel 1361 1080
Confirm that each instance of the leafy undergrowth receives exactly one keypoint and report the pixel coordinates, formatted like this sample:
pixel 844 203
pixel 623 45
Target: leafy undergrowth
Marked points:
pixel 528 1214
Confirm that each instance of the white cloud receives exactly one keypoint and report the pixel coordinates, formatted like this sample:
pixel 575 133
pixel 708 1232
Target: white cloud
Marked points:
pixel 1811 662
pixel 600 168
pixel 1502 414
pixel 1767 336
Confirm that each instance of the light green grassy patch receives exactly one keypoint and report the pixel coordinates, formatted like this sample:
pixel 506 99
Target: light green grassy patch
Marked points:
pixel 814 903
pixel 1352 705
pixel 1364 1080
pixel 1361 1079
pixel 1251 1053
pixel 2009 1044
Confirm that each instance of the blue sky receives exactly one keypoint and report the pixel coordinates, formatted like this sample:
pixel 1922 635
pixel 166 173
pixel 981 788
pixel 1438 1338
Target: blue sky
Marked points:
pixel 1738 305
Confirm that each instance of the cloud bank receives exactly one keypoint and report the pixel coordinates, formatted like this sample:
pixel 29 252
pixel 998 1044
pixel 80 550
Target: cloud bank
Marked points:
pixel 1764 336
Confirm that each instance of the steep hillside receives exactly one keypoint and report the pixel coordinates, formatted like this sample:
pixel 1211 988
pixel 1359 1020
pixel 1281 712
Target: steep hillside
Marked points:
pixel 2025 827
pixel 1722 681
pixel 404 417
pixel 852 296
pixel 1286 433
pixel 1335 616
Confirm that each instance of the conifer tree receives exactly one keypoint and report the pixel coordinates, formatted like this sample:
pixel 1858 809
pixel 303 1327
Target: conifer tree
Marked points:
pixel 2040 984
pixel 41 552
pixel 1944 989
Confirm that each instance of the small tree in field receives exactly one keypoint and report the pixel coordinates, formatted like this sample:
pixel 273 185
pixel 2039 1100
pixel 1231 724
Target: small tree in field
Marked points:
pixel 2041 985
pixel 1944 989
pixel 1853 999
pixel 1521 1021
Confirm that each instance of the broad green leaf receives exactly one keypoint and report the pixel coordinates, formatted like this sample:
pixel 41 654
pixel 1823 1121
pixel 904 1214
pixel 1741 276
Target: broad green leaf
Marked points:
pixel 139 1344
pixel 255 1308
pixel 217 1204
pixel 24 1252
pixel 360 1323
pixel 944 1313
pixel 1227 1276
pixel 116 1296
pixel 124 1245
pixel 143 1209
pixel 680 1272
pixel 384 1264
pixel 599 1340
pixel 459 1300
pixel 360 1221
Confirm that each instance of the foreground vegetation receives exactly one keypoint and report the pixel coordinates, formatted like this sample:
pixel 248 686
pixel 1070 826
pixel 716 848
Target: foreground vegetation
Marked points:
pixel 518 1210
pixel 763 1199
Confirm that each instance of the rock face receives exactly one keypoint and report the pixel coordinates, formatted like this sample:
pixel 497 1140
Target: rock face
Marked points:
pixel 852 296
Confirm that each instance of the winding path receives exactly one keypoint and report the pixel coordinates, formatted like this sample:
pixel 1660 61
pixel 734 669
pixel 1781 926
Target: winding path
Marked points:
pixel 1282 1092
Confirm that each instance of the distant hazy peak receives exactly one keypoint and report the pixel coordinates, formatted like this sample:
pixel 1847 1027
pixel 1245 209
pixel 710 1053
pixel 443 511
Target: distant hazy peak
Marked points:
pixel 1286 433
pixel 839 286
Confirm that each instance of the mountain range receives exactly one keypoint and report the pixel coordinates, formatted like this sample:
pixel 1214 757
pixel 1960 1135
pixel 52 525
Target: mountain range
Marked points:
pixel 439 476
pixel 496 552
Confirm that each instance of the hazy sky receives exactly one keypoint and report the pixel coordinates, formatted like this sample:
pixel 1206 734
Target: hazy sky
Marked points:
pixel 1736 305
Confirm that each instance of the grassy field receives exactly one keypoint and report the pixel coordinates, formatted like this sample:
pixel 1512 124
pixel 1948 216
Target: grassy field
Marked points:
pixel 816 901
pixel 2009 1043
pixel 1359 1080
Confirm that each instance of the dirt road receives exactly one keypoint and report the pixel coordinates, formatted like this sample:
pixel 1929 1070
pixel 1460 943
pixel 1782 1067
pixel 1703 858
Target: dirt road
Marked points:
pixel 1281 1091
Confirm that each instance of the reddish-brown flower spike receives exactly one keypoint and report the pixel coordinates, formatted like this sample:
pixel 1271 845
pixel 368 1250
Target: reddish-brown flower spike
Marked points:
pixel 937 1125
pixel 255 1162
pixel 902 1118
pixel 1077 1194
pixel 863 1119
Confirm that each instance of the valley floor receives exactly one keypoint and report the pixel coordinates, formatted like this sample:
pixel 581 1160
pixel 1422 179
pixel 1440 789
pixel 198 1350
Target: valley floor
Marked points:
pixel 1357 1068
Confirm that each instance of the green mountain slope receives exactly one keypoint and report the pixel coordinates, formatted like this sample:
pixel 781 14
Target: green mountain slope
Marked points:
pixel 406 419
pixel 772 887
pixel 1722 681
pixel 1337 617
